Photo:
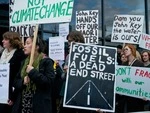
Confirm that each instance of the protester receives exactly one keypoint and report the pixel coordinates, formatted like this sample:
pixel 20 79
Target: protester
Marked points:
pixel 123 59
pixel 130 53
pixel 145 54
pixel 132 104
pixel 13 54
pixel 34 83
pixel 57 83
pixel 120 99
pixel 146 58
pixel 74 36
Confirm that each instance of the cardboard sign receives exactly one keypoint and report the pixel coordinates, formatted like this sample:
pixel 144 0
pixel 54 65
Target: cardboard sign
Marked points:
pixel 41 11
pixel 133 81
pixel 4 83
pixel 127 28
pixel 88 23
pixel 90 77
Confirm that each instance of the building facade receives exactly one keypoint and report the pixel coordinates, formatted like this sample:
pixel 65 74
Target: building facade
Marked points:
pixel 107 9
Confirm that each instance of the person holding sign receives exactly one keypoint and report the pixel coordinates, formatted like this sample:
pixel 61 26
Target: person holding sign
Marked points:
pixel 13 54
pixel 146 58
pixel 133 104
pixel 33 83
pixel 73 36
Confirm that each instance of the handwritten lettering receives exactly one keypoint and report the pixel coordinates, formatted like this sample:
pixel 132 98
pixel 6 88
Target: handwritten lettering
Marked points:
pixel 142 73
pixel 123 71
pixel 91 61
pixel 127 28
pixel 38 10
pixel 87 23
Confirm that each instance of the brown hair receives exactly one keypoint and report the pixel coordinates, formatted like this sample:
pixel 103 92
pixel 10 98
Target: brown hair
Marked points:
pixel 77 36
pixel 133 49
pixel 39 42
pixel 14 39
pixel 145 51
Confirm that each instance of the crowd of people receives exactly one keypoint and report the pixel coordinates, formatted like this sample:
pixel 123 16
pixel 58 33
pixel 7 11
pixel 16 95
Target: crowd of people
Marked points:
pixel 39 88
pixel 129 56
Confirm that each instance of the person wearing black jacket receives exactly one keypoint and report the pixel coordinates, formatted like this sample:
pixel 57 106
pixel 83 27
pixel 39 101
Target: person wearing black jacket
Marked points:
pixel 34 83
pixel 13 54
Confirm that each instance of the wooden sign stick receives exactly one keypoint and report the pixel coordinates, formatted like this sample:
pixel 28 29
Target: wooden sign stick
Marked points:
pixel 33 45
pixel 22 40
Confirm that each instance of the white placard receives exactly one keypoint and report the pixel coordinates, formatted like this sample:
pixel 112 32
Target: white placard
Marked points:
pixel 4 83
pixel 127 28
pixel 133 81
pixel 64 30
pixel 87 23
pixel 56 48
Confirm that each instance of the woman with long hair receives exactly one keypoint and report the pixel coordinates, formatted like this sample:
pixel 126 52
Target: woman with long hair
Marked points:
pixel 130 53
pixel 34 83
pixel 133 104
pixel 12 54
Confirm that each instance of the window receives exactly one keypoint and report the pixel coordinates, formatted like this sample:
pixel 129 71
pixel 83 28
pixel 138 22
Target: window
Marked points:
pixel 4 1
pixel 51 27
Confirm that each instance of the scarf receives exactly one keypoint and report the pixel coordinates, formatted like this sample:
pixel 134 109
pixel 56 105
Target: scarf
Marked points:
pixel 6 55
pixel 31 85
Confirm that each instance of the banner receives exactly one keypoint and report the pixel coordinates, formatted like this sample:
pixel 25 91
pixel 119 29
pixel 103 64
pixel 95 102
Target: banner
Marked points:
pixel 88 23
pixel 41 11
pixel 127 28
pixel 133 81
pixel 90 78
pixel 23 30
pixel 4 83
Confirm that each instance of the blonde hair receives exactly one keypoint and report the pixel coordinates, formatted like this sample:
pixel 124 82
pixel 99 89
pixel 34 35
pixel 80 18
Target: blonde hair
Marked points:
pixel 138 56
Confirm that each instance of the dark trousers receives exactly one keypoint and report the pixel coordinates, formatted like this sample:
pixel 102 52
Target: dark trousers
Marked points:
pixel 4 108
